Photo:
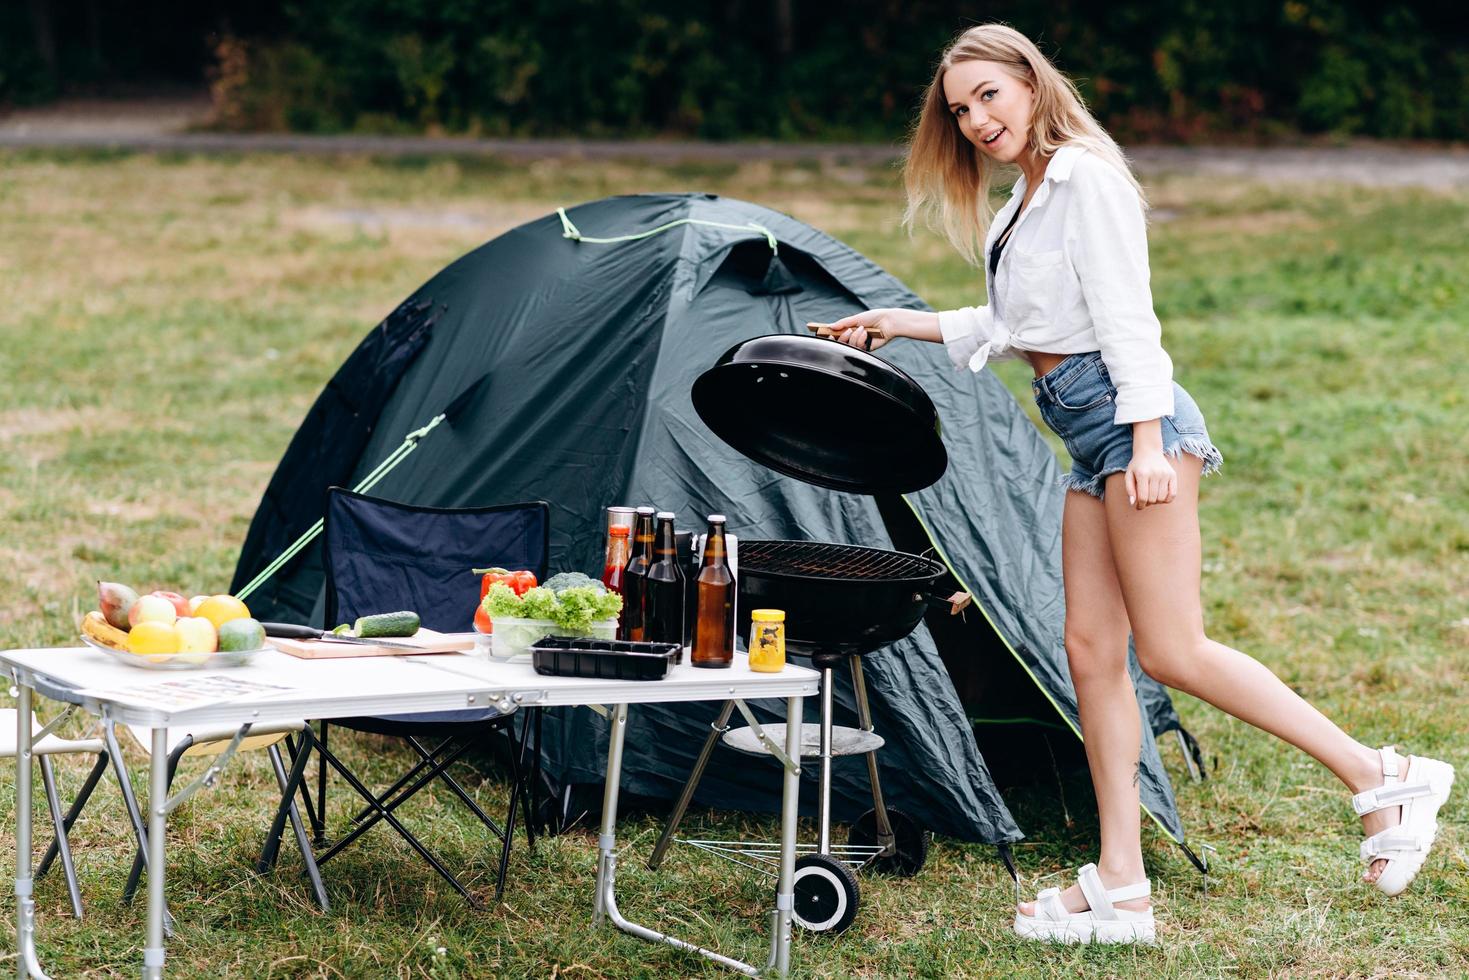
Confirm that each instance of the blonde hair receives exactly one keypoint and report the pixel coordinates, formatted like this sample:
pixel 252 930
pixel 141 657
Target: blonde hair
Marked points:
pixel 948 180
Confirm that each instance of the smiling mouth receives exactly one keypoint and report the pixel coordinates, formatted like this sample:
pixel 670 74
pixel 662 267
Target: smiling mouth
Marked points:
pixel 996 135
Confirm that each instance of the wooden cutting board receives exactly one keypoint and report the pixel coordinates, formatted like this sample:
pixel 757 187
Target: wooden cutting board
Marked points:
pixel 427 640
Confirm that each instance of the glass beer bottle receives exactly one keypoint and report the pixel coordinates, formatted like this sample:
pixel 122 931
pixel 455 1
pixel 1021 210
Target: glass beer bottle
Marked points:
pixel 664 586
pixel 714 624
pixel 633 621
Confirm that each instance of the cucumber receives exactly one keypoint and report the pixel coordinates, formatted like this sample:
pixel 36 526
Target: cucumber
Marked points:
pixel 404 623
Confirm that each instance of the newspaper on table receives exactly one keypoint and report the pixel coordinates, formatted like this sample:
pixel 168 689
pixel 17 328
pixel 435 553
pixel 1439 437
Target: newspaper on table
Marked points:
pixel 181 693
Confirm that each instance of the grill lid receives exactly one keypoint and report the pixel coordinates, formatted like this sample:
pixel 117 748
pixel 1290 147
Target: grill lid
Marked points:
pixel 824 413
pixel 811 559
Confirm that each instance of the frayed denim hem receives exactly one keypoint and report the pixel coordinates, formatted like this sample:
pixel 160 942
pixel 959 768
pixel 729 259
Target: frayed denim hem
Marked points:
pixel 1205 450
pixel 1202 448
pixel 1095 486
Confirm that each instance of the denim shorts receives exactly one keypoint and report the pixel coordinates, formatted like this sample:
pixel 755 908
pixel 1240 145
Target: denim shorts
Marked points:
pixel 1076 399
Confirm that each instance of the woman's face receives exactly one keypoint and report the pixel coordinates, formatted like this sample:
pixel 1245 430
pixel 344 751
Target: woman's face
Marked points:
pixel 992 108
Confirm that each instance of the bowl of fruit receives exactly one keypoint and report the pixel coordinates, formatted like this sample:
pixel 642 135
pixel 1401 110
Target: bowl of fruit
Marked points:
pixel 165 631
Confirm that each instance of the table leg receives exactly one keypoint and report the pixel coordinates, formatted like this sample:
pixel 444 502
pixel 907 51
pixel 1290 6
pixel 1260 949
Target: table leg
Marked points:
pixel 27 964
pixel 780 919
pixel 157 819
pixel 790 798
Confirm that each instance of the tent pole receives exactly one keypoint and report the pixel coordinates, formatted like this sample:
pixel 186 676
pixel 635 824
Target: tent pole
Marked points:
pixel 410 443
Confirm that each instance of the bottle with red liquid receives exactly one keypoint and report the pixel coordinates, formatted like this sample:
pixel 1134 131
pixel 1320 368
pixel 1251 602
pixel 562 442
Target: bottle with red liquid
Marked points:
pixel 633 622
pixel 614 568
pixel 663 602
pixel 714 624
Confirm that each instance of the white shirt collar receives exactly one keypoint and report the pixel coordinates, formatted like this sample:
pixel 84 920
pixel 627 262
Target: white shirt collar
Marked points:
pixel 1058 169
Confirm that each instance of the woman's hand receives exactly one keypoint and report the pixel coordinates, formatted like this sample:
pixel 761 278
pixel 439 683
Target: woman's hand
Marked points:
pixel 854 330
pixel 1151 479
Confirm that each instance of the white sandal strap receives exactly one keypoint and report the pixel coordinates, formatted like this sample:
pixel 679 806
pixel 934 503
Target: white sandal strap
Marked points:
pixel 1048 905
pixel 1380 845
pixel 1392 794
pixel 1096 892
pixel 1128 893
pixel 1390 760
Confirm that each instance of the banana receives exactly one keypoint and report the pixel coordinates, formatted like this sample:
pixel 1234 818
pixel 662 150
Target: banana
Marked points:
pixel 98 628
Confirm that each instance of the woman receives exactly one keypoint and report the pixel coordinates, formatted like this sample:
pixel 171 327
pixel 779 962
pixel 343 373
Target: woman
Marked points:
pixel 1067 270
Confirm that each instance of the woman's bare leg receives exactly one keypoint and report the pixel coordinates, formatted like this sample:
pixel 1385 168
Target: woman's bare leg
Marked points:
pixel 1096 648
pixel 1156 553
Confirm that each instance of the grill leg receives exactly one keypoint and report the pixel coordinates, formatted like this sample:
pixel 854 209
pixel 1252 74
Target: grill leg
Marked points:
pixel 720 726
pixel 864 720
pixel 828 679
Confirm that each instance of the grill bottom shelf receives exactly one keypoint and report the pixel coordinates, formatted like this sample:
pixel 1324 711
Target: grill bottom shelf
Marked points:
pixel 844 741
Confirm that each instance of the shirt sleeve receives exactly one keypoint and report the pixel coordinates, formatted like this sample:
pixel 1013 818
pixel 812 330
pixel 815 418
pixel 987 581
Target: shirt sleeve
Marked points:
pixel 964 330
pixel 1110 256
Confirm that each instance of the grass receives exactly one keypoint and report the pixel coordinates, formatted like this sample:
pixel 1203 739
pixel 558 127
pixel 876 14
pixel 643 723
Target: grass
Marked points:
pixel 166 322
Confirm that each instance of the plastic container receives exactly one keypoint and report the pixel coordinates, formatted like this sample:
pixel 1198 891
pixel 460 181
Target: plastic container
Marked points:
pixel 513 637
pixel 611 660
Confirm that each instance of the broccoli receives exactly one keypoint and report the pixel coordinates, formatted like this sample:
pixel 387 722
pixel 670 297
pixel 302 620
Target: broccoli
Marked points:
pixel 572 580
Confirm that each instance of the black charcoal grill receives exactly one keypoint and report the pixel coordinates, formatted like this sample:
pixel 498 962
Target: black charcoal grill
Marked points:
pixel 841 601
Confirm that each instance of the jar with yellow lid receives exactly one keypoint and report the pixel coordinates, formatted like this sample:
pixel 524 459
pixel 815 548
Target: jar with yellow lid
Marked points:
pixel 767 640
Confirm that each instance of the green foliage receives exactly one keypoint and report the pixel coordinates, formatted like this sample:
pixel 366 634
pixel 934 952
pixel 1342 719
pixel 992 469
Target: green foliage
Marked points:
pixel 1185 70
pixel 1182 70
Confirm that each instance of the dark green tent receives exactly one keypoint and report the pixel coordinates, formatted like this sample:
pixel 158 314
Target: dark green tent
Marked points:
pixel 565 362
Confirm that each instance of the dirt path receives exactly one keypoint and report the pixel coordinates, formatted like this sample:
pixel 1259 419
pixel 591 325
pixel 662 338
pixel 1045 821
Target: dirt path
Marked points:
pixel 163 125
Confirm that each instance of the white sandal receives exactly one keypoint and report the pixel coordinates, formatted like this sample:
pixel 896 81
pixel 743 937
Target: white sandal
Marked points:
pixel 1405 846
pixel 1101 923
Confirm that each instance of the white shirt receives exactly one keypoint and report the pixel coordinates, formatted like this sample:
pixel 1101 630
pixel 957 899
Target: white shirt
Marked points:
pixel 1073 278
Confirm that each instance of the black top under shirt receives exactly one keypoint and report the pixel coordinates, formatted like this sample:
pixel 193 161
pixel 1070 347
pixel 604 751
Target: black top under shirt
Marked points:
pixel 999 245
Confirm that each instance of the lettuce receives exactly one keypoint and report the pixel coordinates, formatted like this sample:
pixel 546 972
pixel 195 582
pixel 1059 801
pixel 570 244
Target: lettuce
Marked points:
pixel 574 609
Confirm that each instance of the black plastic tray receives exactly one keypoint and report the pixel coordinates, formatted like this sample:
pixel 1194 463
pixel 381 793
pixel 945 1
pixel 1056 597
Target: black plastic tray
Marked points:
pixel 612 660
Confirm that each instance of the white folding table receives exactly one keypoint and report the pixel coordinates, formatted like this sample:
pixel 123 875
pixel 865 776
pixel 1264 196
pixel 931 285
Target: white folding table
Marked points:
pixel 96 682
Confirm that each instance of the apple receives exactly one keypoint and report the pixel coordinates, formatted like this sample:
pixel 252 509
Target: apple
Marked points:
pixel 180 604
pixel 152 609
pixel 197 639
pixel 194 603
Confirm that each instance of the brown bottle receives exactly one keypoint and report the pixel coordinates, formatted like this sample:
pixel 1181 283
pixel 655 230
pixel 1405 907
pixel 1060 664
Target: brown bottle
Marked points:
pixel 634 623
pixel 663 604
pixel 714 619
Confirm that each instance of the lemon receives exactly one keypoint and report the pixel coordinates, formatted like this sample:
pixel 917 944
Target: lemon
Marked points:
pixel 220 609
pixel 154 640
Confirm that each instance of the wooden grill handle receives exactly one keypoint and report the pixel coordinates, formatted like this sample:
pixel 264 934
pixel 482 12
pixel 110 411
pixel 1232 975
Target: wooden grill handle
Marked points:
pixel 825 330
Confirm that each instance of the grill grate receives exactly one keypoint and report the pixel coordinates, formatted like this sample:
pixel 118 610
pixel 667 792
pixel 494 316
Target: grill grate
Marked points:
pixel 833 561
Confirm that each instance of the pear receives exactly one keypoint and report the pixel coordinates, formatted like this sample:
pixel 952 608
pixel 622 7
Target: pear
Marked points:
pixel 114 600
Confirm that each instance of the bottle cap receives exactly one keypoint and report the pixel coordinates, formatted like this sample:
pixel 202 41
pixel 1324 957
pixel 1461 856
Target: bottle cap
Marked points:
pixel 716 518
pixel 619 530
pixel 645 510
pixel 768 615
pixel 665 515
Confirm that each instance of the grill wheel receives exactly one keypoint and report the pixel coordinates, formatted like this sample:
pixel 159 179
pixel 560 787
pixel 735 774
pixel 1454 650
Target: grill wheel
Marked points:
pixel 827 895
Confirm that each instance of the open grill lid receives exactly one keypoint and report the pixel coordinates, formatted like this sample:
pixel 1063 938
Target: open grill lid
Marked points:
pixel 824 413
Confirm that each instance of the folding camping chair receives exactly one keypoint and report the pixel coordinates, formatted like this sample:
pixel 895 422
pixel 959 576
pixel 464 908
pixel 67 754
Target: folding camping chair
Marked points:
pixel 382 556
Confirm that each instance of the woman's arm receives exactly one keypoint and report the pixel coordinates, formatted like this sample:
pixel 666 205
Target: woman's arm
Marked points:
pixel 893 323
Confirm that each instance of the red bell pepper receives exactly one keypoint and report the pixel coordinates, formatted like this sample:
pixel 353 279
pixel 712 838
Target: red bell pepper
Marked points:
pixel 520 582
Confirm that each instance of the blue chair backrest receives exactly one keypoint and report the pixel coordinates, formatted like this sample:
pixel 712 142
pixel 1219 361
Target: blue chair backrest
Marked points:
pixel 382 556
